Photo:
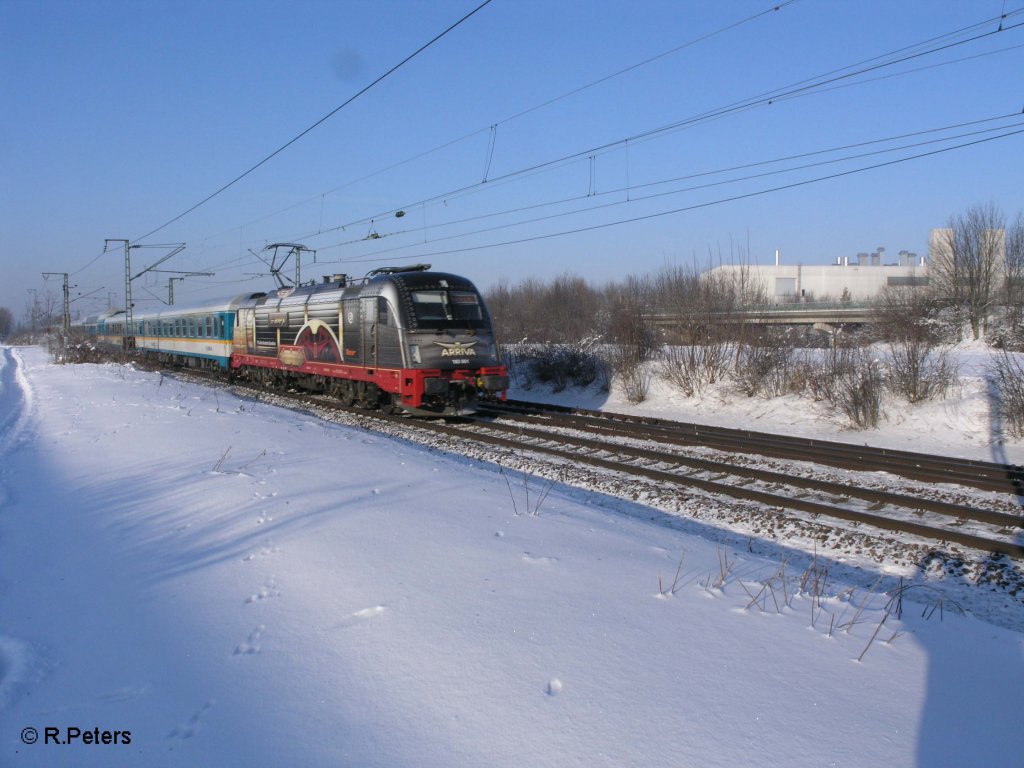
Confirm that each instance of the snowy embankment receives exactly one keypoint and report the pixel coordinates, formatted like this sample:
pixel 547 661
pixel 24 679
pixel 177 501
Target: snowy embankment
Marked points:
pixel 965 424
pixel 236 584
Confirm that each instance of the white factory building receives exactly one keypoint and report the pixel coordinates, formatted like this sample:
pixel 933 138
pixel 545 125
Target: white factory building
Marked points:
pixel 856 278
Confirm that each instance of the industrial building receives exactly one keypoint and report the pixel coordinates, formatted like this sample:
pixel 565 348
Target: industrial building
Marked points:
pixel 859 278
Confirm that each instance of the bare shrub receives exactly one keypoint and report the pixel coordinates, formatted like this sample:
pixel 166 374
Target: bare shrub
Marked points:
pixel 626 363
pixel 690 369
pixel 70 351
pixel 1007 376
pixel 918 369
pixel 563 364
pixel 859 393
pixel 582 364
pixel 635 382
pixel 851 380
pixel 768 366
pixel 517 362
pixel 631 336
pixel 1006 329
pixel 826 374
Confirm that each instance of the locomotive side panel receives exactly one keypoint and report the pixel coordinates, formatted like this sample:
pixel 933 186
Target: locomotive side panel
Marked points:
pixel 352 334
pixel 388 335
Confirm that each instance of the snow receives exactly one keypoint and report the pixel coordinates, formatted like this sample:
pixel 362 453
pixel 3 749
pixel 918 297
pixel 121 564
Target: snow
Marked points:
pixel 966 424
pixel 239 584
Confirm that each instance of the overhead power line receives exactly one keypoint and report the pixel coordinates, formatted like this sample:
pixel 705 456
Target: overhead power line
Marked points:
pixel 774 8
pixel 696 206
pixel 696 175
pixel 817 83
pixel 326 117
pixel 800 88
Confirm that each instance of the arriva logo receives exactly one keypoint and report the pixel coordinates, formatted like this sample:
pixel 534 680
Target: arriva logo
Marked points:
pixel 458 349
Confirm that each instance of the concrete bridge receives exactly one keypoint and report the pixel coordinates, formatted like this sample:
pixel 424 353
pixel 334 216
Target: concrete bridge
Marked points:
pixel 827 317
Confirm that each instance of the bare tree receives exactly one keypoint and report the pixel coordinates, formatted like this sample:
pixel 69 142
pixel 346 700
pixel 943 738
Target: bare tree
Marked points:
pixel 562 311
pixel 1013 284
pixel 909 313
pixel 6 322
pixel 967 264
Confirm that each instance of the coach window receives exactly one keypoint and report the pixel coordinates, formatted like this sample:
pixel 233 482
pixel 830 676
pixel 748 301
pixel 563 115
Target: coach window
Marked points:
pixel 209 327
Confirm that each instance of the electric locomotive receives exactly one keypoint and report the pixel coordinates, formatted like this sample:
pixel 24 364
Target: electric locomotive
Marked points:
pixel 402 338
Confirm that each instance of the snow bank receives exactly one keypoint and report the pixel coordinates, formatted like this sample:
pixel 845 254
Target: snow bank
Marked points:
pixel 966 424
pixel 235 584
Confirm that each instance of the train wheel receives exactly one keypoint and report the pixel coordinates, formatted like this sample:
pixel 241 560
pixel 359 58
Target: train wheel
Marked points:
pixel 345 393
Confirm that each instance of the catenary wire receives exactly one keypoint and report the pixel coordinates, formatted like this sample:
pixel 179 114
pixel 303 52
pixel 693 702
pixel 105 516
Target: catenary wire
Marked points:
pixel 757 193
pixel 579 89
pixel 799 88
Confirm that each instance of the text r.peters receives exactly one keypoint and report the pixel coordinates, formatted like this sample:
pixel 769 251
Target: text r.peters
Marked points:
pixel 73 735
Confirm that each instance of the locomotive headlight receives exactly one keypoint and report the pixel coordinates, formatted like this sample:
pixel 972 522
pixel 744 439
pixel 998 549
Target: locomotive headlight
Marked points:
pixel 414 353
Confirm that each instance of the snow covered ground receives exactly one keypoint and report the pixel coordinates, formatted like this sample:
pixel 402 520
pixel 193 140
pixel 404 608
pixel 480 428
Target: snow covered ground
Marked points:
pixel 237 584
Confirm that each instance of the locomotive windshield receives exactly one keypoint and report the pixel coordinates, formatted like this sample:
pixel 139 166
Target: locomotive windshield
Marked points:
pixel 437 309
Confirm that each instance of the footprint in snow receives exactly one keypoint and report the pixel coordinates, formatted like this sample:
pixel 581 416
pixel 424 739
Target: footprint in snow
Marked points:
pixel 191 728
pixel 539 559
pixel 127 693
pixel 15 668
pixel 268 591
pixel 359 617
pixel 251 646
pixel 264 552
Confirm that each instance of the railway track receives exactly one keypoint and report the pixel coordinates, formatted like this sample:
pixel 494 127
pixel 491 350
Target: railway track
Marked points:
pixel 986 476
pixel 660 453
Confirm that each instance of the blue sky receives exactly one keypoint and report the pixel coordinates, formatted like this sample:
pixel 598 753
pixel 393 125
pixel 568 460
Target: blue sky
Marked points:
pixel 119 116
